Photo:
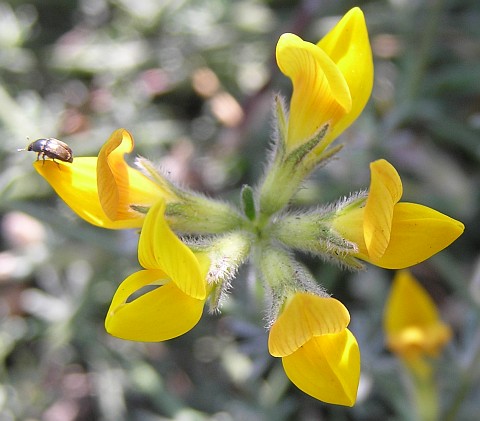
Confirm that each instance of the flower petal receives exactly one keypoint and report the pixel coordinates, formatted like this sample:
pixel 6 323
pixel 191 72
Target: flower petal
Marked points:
pixel 327 367
pixel 320 92
pixel 418 232
pixel 385 191
pixel 421 308
pixel 305 315
pixel 76 184
pixel 349 224
pixel 119 185
pixel 411 320
pixel 159 314
pixel 160 248
pixel 347 44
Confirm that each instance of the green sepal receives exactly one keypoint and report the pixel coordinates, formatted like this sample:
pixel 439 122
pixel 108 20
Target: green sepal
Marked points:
pixel 248 202
pixel 190 212
pixel 140 209
pixel 285 175
pixel 216 296
pixel 296 157
pixel 201 215
pixel 281 128
pixel 283 275
pixel 312 233
pixel 226 254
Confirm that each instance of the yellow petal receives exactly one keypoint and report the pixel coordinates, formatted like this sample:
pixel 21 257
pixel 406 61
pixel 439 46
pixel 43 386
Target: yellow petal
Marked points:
pixel 349 224
pixel 119 185
pixel 413 342
pixel 320 92
pixel 76 184
pixel 160 248
pixel 418 232
pixel 159 314
pixel 411 321
pixel 305 315
pixel 327 367
pixel 421 308
pixel 385 191
pixel 348 46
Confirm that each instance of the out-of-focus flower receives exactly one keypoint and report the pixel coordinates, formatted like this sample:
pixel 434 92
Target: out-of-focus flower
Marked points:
pixel 166 299
pixel 393 234
pixel 319 354
pixel 412 324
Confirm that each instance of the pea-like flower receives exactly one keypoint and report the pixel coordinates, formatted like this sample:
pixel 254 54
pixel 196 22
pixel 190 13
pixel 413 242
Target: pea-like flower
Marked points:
pixel 319 354
pixel 166 298
pixel 393 234
pixel 107 192
pixel 103 190
pixel 412 323
pixel 332 80
pixel 415 333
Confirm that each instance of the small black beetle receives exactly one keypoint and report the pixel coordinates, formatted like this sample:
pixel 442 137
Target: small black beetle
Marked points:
pixel 51 148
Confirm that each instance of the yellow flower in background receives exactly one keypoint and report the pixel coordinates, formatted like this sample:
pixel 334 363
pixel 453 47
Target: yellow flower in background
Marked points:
pixel 393 234
pixel 319 354
pixel 411 321
pixel 102 190
pixel 166 299
pixel 332 80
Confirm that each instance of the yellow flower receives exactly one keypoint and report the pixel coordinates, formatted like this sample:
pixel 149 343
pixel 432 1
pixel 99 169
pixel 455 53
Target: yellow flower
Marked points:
pixel 102 190
pixel 393 234
pixel 166 299
pixel 332 80
pixel 411 320
pixel 319 354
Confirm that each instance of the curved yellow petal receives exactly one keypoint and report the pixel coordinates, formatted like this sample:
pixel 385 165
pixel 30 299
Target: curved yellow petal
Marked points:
pixel 348 46
pixel 119 185
pixel 76 184
pixel 327 367
pixel 385 191
pixel 160 248
pixel 320 92
pixel 158 314
pixel 411 321
pixel 418 232
pixel 305 316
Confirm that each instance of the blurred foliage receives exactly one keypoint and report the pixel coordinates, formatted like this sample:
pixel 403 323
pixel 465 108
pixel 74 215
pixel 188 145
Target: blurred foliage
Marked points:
pixel 193 81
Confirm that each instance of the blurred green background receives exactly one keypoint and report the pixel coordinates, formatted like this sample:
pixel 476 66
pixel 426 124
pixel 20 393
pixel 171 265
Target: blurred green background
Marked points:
pixel 193 81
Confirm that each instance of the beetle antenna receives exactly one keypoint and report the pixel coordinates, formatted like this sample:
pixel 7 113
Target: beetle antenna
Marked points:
pixel 24 149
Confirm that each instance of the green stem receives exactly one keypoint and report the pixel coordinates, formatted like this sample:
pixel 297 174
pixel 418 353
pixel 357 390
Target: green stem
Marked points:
pixel 425 392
